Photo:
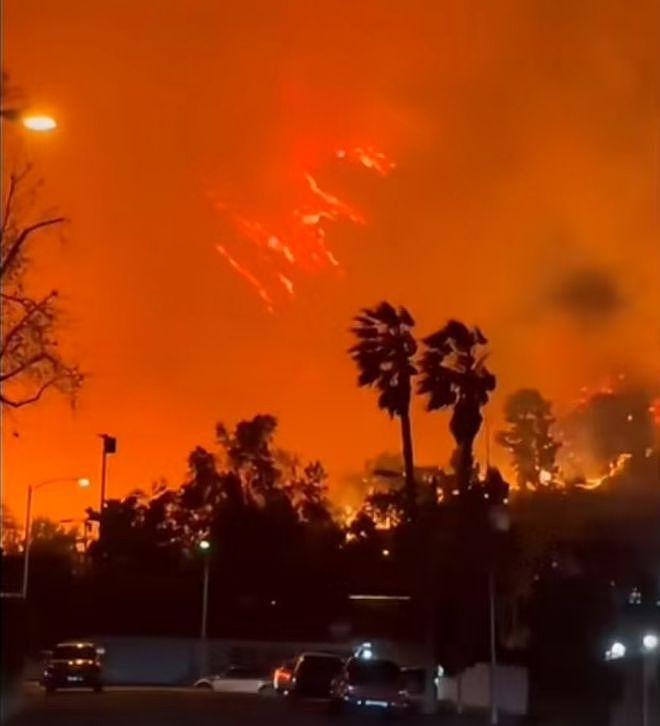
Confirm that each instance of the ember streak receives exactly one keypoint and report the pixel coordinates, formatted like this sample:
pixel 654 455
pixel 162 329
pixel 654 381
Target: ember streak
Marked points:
pixel 269 257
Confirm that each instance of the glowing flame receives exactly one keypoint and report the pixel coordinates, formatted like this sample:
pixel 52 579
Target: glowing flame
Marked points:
pixel 369 157
pixel 247 275
pixel 615 467
pixel 654 410
pixel 299 242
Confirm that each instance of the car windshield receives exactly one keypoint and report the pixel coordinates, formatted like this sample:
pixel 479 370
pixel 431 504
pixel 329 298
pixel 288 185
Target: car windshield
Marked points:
pixel 74 652
pixel 321 666
pixel 362 672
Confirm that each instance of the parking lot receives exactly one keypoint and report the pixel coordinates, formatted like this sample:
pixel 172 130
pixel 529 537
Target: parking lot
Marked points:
pixel 174 707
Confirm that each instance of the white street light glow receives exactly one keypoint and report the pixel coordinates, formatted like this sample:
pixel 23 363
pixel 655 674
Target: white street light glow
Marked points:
pixel 39 123
pixel 650 641
pixel 616 651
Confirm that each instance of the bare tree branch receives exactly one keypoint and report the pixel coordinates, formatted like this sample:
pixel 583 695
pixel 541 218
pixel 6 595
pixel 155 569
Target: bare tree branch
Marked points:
pixel 30 359
pixel 25 366
pixel 13 403
pixel 8 203
pixel 20 240
pixel 32 308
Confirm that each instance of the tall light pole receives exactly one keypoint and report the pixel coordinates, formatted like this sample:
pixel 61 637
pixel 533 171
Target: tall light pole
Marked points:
pixel 109 446
pixel 205 548
pixel 650 643
pixel 500 523
pixel 82 482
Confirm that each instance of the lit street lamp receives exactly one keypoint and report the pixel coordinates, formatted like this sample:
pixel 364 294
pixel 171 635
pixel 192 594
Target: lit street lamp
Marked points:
pixel 82 482
pixel 33 122
pixel 649 649
pixel 616 651
pixel 650 642
pixel 205 548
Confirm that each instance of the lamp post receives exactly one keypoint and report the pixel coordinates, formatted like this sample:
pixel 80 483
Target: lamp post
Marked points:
pixel 204 547
pixel 500 523
pixel 82 482
pixel 650 643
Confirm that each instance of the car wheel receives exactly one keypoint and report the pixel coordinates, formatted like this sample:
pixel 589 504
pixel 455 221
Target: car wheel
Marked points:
pixel 204 686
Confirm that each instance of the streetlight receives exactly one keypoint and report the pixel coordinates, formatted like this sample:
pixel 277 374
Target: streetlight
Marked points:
pixel 31 121
pixel 205 548
pixel 650 642
pixel 500 523
pixel 617 650
pixel 81 481
pixel 649 647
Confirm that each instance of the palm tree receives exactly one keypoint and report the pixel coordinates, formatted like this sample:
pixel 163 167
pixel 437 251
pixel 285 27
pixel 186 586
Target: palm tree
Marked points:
pixel 454 375
pixel 384 355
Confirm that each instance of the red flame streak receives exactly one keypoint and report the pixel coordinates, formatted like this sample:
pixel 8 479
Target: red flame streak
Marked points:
pixel 335 208
pixel 245 273
pixel 301 242
pixel 369 157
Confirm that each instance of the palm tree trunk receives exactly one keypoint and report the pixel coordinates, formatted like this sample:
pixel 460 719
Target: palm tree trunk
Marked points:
pixel 408 464
pixel 465 464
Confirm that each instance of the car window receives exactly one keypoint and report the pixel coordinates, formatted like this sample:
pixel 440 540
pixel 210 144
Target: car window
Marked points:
pixel 320 665
pixel 373 671
pixel 74 652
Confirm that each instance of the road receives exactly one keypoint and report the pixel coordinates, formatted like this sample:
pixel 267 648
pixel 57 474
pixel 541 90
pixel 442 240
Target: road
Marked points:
pixel 173 707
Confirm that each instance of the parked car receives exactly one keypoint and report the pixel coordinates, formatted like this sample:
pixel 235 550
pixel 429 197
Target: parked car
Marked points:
pixel 73 665
pixel 369 683
pixel 313 674
pixel 236 679
pixel 283 675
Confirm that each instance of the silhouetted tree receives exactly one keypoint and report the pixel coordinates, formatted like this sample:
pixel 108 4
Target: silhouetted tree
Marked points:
pixel 12 538
pixel 528 438
pixel 250 454
pixel 50 538
pixel 454 375
pixel 30 360
pixel 384 355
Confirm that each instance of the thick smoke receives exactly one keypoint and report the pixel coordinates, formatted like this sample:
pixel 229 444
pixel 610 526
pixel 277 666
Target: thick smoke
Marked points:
pixel 589 296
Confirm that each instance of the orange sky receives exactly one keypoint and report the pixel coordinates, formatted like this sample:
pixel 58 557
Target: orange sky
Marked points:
pixel 526 140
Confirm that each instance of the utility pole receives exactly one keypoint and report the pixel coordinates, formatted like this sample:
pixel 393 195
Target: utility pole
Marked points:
pixel 28 541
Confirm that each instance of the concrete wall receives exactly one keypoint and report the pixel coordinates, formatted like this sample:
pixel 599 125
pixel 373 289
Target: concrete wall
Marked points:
pixel 512 689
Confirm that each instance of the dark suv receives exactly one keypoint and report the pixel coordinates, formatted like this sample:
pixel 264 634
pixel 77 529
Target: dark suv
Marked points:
pixel 313 674
pixel 73 665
